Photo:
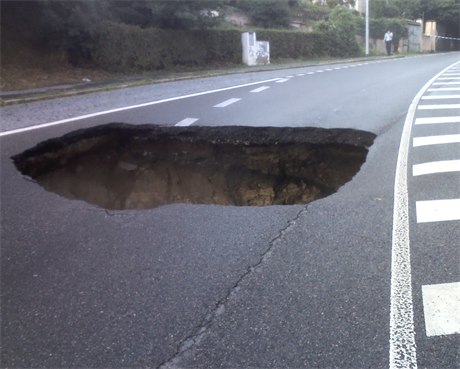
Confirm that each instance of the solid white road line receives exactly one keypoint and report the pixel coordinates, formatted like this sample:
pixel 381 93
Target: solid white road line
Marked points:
pixel 441 306
pixel 437 120
pixel 261 89
pixel 227 103
pixel 403 350
pixel 186 122
pixel 437 210
pixel 437 107
pixel 87 116
pixel 444 166
pixel 440 97
pixel 436 140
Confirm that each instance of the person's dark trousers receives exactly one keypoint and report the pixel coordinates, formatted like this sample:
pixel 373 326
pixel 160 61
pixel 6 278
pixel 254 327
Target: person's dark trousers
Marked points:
pixel 388 45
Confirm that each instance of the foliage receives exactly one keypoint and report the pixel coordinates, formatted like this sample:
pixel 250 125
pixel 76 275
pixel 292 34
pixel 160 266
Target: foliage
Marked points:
pixel 408 9
pixel 382 9
pixel 378 28
pixel 306 11
pixel 186 15
pixel 123 48
pixel 333 3
pixel 445 12
pixel 72 26
pixel 132 12
pixel 340 32
pixel 267 13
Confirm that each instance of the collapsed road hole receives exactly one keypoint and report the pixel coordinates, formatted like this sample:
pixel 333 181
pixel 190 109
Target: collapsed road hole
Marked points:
pixel 121 166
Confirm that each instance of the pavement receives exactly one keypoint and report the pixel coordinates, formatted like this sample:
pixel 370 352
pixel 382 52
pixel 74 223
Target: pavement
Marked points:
pixel 68 90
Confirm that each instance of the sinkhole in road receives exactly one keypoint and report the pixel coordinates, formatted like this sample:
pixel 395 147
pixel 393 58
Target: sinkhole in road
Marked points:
pixel 121 166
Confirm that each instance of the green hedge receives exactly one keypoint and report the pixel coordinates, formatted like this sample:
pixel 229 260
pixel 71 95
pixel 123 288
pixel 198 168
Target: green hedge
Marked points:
pixel 122 48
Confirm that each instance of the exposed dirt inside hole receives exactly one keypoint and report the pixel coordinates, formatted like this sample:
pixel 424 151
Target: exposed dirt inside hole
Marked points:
pixel 120 166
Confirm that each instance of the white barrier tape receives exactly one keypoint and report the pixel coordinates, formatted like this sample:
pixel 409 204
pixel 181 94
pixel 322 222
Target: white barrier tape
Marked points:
pixel 446 38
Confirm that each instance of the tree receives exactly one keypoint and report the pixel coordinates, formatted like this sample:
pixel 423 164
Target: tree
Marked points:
pixel 445 12
pixel 72 26
pixel 185 15
pixel 408 9
pixel 268 13
pixel 341 32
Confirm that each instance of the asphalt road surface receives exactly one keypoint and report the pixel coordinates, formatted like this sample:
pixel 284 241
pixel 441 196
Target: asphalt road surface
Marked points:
pixel 368 277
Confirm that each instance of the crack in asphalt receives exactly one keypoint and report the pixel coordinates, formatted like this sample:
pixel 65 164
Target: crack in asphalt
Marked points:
pixel 200 330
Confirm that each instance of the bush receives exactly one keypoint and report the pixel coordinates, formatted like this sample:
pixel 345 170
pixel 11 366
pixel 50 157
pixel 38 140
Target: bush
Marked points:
pixel 340 32
pixel 378 27
pixel 123 48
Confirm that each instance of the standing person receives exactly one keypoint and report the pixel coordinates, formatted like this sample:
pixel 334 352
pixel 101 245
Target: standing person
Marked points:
pixel 388 38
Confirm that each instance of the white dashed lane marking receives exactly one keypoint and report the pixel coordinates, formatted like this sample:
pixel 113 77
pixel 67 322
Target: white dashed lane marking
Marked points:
pixel 227 103
pixel 437 120
pixel 440 97
pixel 403 350
pixel 441 306
pixel 186 122
pixel 282 80
pixel 261 89
pixel 446 83
pixel 436 140
pixel 444 89
pixel 438 107
pixel 438 210
pixel 443 166
pixel 441 302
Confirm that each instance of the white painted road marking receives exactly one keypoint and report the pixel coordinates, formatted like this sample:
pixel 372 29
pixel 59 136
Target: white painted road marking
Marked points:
pixel 445 89
pixel 438 210
pixel 437 97
pixel 446 83
pixel 444 166
pixel 87 116
pixel 436 140
pixel 437 107
pixel 186 122
pixel 227 103
pixel 437 120
pixel 448 78
pixel 282 80
pixel 441 306
pixel 403 350
pixel 260 89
